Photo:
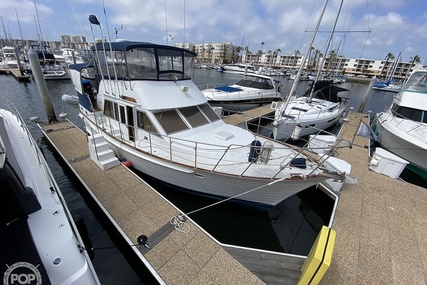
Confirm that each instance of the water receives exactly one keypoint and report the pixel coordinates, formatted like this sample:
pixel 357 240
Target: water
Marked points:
pixel 292 226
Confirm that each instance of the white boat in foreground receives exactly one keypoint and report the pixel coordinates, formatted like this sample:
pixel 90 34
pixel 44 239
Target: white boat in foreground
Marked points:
pixel 402 128
pixel 253 90
pixel 150 112
pixel 33 209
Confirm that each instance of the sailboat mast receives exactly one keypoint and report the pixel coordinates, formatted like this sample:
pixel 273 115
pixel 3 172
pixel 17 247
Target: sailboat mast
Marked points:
pixel 326 50
pixel 294 86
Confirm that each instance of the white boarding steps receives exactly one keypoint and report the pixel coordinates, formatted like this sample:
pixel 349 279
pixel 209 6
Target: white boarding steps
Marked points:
pixel 101 153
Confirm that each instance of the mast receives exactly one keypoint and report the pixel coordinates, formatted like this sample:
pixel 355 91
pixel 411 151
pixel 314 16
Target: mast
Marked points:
pixel 326 50
pixel 294 86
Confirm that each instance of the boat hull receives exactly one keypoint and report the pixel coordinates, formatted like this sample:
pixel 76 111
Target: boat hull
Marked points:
pixel 400 143
pixel 208 182
pixel 218 184
pixel 285 129
pixel 237 106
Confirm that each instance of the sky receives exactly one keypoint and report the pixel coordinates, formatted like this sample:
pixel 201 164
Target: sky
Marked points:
pixel 368 29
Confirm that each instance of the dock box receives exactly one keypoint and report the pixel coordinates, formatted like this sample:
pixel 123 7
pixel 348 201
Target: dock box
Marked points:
pixel 387 163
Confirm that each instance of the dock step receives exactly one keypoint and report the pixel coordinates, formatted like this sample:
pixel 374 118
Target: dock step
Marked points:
pixel 101 153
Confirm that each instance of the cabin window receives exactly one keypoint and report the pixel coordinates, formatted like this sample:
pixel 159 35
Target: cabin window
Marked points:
pixel 207 110
pixel 122 115
pixel 110 109
pixel 170 60
pixel 194 116
pixel 141 63
pixel 171 121
pixel 409 113
pixel 143 122
pixel 113 63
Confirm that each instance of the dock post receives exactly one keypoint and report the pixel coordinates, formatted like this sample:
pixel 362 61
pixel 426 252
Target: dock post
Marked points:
pixel 41 85
pixel 368 92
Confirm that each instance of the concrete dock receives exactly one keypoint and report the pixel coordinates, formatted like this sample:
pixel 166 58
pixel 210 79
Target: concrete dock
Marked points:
pixel 16 73
pixel 176 256
pixel 381 223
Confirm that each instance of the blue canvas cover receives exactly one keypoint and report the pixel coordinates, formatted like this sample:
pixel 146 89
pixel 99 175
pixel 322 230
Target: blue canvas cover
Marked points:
pixel 228 89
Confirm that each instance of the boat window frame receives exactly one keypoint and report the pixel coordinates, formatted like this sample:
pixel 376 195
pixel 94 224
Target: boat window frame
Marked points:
pixel 408 113
pixel 151 128
pixel 207 110
pixel 111 111
pixel 174 123
pixel 196 119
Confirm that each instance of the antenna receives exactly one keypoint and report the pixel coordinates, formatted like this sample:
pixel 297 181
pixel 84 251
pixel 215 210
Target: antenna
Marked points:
pixel 117 30
pixel 166 19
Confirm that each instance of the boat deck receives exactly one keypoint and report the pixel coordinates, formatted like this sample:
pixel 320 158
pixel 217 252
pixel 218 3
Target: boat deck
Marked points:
pixel 136 209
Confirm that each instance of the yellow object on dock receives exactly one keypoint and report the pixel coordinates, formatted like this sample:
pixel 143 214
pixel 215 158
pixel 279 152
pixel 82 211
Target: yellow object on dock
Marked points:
pixel 319 258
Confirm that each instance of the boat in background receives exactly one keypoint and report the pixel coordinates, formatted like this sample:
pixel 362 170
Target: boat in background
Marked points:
pixel 402 128
pixel 149 111
pixel 37 229
pixel 241 68
pixel 8 58
pixel 253 90
pixel 386 86
pixel 51 69
pixel 388 83
pixel 321 107
pixel 311 113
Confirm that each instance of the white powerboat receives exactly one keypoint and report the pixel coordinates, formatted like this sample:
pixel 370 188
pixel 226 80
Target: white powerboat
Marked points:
pixel 402 128
pixel 253 90
pixel 150 112
pixel 38 233
pixel 8 59
pixel 311 113
pixel 51 69
pixel 241 68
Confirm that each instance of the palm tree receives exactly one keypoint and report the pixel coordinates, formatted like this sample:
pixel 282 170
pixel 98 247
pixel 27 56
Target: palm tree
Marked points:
pixel 415 59
pixel 259 55
pixel 332 58
pixel 276 53
pixel 317 55
pixel 309 65
pixel 297 53
pixel 262 46
pixel 387 57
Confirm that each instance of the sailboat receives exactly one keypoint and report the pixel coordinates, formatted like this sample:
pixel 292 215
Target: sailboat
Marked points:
pixel 146 108
pixel 321 107
pixel 388 83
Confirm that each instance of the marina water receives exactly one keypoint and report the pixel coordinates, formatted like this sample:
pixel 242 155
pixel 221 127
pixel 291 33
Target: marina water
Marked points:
pixel 290 227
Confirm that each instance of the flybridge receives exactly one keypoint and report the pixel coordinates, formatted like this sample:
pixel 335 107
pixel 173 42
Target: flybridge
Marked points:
pixel 143 61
